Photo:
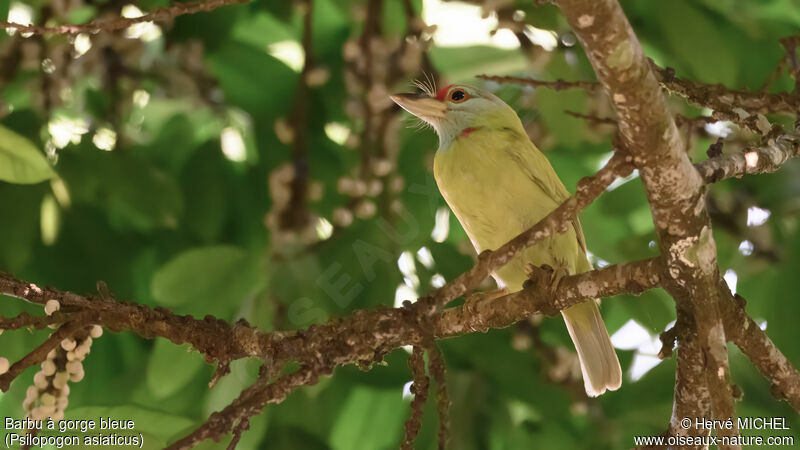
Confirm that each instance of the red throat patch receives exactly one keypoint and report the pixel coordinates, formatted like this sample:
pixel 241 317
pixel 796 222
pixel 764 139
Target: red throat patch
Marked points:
pixel 467 131
pixel 442 93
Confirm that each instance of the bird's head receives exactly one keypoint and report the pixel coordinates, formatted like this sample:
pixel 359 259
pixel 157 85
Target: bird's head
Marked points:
pixel 458 109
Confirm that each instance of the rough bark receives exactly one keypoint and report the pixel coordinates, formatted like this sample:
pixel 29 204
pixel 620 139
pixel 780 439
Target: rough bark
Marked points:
pixel 677 202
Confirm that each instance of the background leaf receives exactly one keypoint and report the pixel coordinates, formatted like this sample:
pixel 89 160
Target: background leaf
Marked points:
pixel 170 367
pixel 20 161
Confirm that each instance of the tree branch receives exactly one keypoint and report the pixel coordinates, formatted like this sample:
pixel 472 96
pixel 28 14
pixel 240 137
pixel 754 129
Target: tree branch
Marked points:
pixel 39 354
pixel 790 44
pixel 380 331
pixel 419 388
pixel 223 342
pixel 556 85
pixel 677 202
pixel 713 96
pixel 501 312
pixel 296 215
pixel 743 331
pixel 765 159
pixel 215 338
pixel 721 98
pixel 365 336
pixel 120 23
pixel 339 342
pixel 249 403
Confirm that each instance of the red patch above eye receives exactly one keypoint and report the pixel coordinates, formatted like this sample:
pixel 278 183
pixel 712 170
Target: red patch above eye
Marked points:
pixel 442 93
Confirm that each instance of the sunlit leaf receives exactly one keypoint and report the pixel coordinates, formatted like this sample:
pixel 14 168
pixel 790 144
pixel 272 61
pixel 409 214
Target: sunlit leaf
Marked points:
pixel 20 161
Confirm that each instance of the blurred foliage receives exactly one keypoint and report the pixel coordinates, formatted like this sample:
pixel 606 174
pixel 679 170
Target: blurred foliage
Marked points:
pixel 166 218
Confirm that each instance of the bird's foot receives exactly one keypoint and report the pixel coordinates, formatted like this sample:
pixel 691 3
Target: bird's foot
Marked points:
pixel 476 297
pixel 546 276
pixel 538 276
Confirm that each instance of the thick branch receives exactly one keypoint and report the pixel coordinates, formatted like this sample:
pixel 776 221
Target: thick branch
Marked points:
pixel 215 338
pixel 756 345
pixel 675 192
pixel 507 310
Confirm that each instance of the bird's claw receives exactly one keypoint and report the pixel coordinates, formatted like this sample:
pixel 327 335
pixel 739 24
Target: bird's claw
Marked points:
pixel 476 297
pixel 546 276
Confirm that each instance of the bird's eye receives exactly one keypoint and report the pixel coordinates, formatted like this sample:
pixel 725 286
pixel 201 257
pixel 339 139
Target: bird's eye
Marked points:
pixel 458 96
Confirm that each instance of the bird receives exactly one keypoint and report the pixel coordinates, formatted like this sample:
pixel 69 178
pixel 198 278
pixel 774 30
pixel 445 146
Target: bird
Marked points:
pixel 498 184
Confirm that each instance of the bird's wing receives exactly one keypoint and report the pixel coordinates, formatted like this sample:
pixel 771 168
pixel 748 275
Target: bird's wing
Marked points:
pixel 536 166
pixel 538 169
pixel 576 224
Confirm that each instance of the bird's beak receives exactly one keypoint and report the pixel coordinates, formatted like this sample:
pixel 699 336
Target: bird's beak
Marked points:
pixel 426 108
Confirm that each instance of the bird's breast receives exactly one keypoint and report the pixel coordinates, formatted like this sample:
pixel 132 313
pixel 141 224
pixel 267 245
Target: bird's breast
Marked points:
pixel 487 190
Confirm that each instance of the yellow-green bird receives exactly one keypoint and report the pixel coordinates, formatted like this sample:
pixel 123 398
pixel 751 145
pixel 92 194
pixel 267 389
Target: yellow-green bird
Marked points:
pixel 499 184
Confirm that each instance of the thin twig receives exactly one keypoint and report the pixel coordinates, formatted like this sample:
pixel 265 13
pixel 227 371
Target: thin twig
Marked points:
pixel 120 23
pixel 437 369
pixel 755 160
pixel 419 388
pixel 790 44
pixel 250 402
pixel 757 346
pixel 39 354
pixel 557 85
pixel 713 96
pixel 296 215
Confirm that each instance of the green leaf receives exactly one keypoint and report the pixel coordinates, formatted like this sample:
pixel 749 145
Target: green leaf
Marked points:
pixel 208 280
pixel 50 219
pixel 545 16
pixel 82 14
pixel 367 410
pixel 157 427
pixel 163 379
pixel 262 29
pixel 4 9
pixel 198 274
pixel 330 25
pixel 20 161
pixel 200 219
pixel 699 42
pixel 19 224
pixel 394 19
pixel 653 309
pixel 463 63
pixel 141 197
pixel 291 438
pixel 241 68
pixel 243 373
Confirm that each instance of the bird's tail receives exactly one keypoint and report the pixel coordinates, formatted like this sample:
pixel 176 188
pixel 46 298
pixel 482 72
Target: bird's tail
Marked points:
pixel 599 363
